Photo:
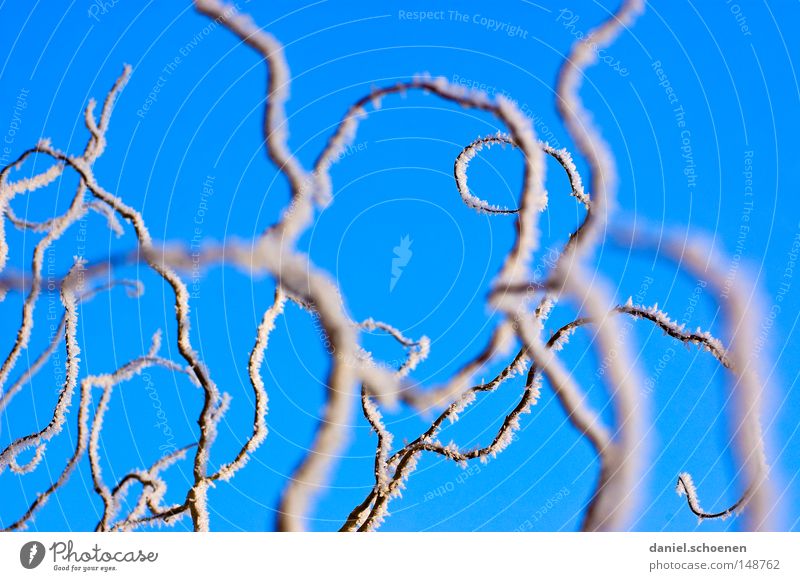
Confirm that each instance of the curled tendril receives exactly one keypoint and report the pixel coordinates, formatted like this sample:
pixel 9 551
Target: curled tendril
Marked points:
pixel 686 486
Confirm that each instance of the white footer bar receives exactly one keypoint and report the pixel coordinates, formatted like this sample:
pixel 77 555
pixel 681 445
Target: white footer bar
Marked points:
pixel 400 556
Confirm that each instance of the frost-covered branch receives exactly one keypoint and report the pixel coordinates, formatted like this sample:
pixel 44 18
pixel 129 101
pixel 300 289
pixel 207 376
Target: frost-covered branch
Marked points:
pixel 741 307
pixel 522 305
pixel 686 486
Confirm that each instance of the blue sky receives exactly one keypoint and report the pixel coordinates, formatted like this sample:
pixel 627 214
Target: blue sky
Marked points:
pixel 191 117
